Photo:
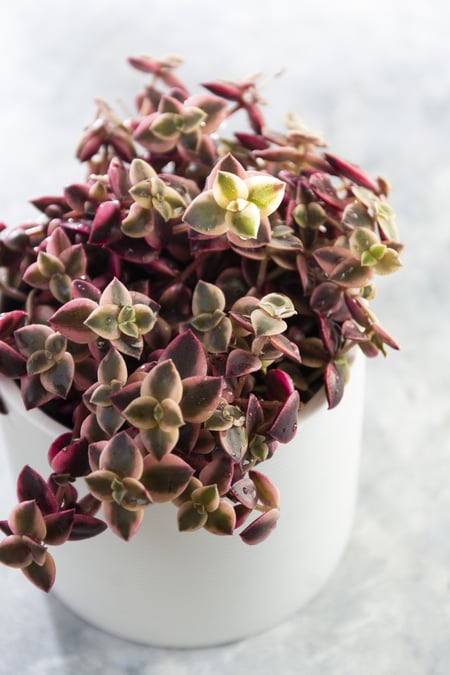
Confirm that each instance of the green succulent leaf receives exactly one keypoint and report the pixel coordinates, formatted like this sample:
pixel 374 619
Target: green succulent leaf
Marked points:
pixel 201 396
pixel 204 215
pixel 39 362
pixel 103 321
pixel 190 518
pixel 100 484
pixel 266 192
pixel 163 382
pixel 58 380
pixel 222 521
pixel 264 324
pixel 26 518
pixel 167 478
pixel 122 457
pixel 160 442
pixel 243 219
pixel 228 187
pixel 207 298
pixel 123 522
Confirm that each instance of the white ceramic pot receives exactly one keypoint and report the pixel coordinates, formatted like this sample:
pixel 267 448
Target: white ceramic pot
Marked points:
pixel 197 589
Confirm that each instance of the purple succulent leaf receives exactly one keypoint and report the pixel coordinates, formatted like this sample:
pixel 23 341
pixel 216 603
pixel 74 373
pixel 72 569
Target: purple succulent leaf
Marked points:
pixel 201 396
pixel 322 186
pixel 72 458
pixel 244 491
pixel 188 355
pixel 122 522
pixel 126 395
pixel 384 336
pixel 88 505
pixel 106 224
pixel 42 576
pixel 122 457
pixel 284 427
pixel 70 319
pixel 286 347
pixel 12 364
pixel 222 521
pixel 31 486
pixel 325 298
pixel 5 528
pixel 32 338
pixel 330 334
pixel 260 528
pixel 94 452
pixel 214 107
pixel 85 527
pixel 252 141
pixel 59 526
pixel 109 420
pixel 76 195
pixel 351 274
pixel 334 384
pixel 58 380
pixel 240 362
pixel 26 518
pixel 11 321
pixel 58 444
pixel 242 513
pixel 34 395
pixel 74 260
pixel 14 552
pixel 38 551
pixel 279 384
pixel 254 416
pixel 43 203
pixel 83 289
pixel 159 441
pixel 354 172
pixel 219 471
pixel 329 257
pixel 118 179
pixel 34 277
pixel 167 478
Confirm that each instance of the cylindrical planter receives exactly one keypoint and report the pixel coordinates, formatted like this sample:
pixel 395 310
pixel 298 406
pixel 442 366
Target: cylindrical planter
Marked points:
pixel 197 589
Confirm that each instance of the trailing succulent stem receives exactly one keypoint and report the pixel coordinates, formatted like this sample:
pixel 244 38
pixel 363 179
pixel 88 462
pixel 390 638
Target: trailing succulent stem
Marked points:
pixel 177 308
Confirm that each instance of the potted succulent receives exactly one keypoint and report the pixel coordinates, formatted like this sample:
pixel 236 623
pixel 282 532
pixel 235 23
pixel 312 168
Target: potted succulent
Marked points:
pixel 168 322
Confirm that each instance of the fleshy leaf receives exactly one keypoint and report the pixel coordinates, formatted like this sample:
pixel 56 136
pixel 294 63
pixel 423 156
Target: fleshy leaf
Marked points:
pixel 200 397
pixel 204 215
pixel 187 353
pixel 222 521
pixel 163 381
pixel 284 427
pixel 267 492
pixel 167 478
pixel 189 518
pixel 42 576
pixel 70 319
pixel 122 457
pixel 260 528
pixel 123 523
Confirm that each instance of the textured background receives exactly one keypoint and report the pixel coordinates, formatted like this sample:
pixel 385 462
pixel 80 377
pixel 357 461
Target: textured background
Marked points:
pixel 375 79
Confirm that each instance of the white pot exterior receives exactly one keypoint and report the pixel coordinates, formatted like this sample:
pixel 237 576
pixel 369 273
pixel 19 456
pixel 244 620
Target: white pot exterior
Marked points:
pixel 197 589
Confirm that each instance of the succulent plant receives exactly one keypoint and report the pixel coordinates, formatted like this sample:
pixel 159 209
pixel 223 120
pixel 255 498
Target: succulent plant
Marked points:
pixel 177 308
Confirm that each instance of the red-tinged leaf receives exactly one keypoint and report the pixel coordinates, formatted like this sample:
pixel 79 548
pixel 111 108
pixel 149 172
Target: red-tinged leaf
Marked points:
pixel 334 384
pixel 126 395
pixel 260 528
pixel 58 380
pixel 254 416
pixel 330 334
pixel 26 518
pixel 72 458
pixel 255 117
pixel 242 513
pixel 42 576
pixel 167 478
pixel 10 321
pixel 283 154
pixel 244 491
pixel 240 362
pixel 5 528
pixel 30 339
pixel 215 108
pixel 286 347
pixel 85 527
pixel 227 163
pixel 279 385
pixel 329 257
pixel 267 492
pixel 219 471
pixel 222 521
pixel 351 274
pixel 187 353
pixel 351 331
pixel 69 320
pixel 43 203
pixel 14 552
pixel 252 141
pixel 227 90
pixel 83 289
pixel 353 172
pixel 284 427
pixel 326 298
pixel 121 456
pixel 384 336
pixel 31 485
pixel 76 196
pixel 106 224
pixel 59 526
pixel 201 396
pixel 12 364
pixel 358 310
pixel 322 186
pixel 38 551
pixel 89 505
